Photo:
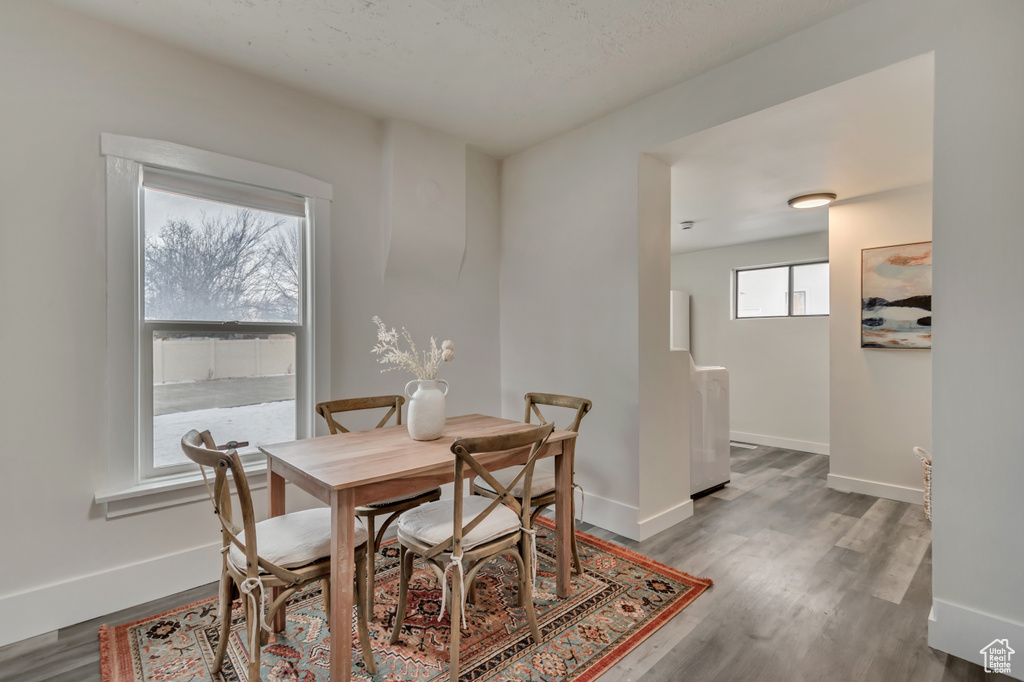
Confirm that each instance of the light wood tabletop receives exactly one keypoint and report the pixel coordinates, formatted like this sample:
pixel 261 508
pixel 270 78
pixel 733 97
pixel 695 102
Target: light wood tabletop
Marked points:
pixel 349 469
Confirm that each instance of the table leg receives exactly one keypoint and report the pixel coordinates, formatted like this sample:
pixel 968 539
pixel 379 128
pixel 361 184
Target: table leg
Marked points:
pixel 343 517
pixel 564 520
pixel 275 507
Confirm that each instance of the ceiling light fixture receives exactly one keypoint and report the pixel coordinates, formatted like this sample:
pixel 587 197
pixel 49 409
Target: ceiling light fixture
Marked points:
pixel 812 200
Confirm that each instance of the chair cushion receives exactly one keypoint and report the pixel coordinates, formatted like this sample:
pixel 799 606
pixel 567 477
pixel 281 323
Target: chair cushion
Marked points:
pixel 543 479
pixel 293 540
pixel 401 498
pixel 432 523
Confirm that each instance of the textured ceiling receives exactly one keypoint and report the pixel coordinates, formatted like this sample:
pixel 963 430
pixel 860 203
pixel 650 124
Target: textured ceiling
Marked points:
pixel 502 75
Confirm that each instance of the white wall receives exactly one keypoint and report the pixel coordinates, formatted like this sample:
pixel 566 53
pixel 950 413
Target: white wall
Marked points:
pixel 570 270
pixel 568 305
pixel 664 405
pixel 977 364
pixel 881 398
pixel 65 80
pixel 778 367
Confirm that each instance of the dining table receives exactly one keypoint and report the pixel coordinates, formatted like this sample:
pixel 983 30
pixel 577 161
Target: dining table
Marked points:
pixel 346 470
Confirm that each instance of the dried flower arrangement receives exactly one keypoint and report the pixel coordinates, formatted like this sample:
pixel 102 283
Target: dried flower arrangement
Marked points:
pixel 424 365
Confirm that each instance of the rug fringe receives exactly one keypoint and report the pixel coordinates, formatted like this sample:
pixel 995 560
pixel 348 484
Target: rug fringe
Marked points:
pixel 105 674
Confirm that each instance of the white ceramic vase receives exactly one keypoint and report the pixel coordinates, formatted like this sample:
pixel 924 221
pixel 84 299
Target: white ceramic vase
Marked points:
pixel 426 408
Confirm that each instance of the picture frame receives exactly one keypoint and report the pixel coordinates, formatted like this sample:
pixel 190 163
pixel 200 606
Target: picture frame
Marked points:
pixel 896 296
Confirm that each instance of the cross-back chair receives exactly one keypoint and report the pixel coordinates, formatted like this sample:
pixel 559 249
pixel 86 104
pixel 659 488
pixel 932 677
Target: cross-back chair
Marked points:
pixel 544 475
pixel 391 507
pixel 435 532
pixel 286 552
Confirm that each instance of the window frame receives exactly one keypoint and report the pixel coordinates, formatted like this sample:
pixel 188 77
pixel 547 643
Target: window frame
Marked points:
pixel 145 404
pixel 789 292
pixel 126 157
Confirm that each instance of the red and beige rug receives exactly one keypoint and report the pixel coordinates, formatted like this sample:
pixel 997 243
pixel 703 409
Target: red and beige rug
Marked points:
pixel 620 601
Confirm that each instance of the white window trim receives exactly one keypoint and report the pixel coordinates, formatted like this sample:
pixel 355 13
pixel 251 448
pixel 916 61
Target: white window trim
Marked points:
pixel 125 492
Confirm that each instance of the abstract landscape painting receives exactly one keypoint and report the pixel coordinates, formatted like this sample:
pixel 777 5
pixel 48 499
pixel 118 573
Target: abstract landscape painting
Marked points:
pixel 896 296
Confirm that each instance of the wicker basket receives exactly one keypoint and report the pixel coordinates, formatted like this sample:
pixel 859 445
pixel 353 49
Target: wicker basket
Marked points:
pixel 926 463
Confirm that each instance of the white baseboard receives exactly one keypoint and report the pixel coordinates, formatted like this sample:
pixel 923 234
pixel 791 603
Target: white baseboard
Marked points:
pixel 625 520
pixel 773 442
pixel 57 605
pixel 653 525
pixel 848 484
pixel 964 632
pixel 611 515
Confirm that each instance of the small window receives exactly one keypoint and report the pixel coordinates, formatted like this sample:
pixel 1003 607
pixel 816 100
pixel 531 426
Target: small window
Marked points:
pixel 797 290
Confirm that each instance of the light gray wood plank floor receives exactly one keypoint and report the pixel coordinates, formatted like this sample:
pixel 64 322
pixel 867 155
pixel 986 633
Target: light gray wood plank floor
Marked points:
pixel 810 584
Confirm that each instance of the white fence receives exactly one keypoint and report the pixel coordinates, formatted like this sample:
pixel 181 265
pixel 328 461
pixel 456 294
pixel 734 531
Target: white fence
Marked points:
pixel 201 359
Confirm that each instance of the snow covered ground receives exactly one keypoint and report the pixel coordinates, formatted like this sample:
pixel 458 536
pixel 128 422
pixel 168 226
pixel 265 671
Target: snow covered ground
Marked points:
pixel 263 423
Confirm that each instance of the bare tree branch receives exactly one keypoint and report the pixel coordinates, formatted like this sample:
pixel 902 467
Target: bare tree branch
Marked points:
pixel 239 266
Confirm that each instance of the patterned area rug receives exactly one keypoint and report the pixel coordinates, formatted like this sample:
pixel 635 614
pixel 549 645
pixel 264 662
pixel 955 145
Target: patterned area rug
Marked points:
pixel 620 601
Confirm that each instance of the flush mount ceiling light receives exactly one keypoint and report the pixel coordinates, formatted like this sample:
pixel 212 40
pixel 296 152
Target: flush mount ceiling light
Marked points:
pixel 812 200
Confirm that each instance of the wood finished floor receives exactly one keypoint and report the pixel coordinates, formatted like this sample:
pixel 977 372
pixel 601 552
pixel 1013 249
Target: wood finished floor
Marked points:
pixel 810 584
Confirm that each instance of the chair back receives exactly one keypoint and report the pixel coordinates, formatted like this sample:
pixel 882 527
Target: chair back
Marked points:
pixel 201 449
pixel 464 449
pixel 580 406
pixel 329 409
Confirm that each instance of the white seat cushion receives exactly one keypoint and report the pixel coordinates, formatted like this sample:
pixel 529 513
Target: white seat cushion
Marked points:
pixel 293 540
pixel 432 523
pixel 543 479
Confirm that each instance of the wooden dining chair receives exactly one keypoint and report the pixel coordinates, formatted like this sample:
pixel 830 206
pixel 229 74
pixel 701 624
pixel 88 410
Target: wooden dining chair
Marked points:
pixel 544 475
pixel 435 532
pixel 286 552
pixel 391 507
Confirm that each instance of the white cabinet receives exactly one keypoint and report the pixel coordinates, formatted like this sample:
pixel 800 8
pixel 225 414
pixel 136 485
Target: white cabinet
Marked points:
pixel 709 407
pixel 709 428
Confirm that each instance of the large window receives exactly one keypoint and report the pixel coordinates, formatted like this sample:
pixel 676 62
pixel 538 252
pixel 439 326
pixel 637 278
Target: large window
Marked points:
pixel 222 288
pixel 796 290
pixel 217 274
